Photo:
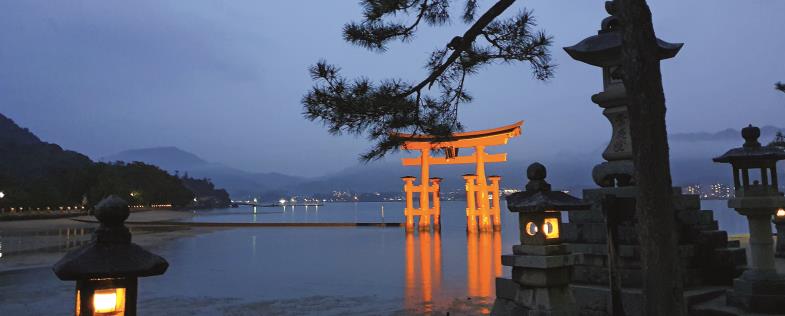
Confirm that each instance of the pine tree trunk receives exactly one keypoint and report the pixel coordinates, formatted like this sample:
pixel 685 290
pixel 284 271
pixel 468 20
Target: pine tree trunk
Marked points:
pixel 662 281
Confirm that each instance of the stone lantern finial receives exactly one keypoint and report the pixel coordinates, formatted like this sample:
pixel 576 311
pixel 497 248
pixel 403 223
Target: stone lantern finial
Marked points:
pixel 751 134
pixel 112 211
pixel 536 174
pixel 609 24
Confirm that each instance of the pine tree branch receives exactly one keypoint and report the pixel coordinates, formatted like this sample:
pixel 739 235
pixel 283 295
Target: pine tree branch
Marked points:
pixel 374 32
pixel 362 107
pixel 459 44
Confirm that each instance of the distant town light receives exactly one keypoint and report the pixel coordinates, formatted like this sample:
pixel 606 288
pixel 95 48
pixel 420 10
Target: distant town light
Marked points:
pixel 282 201
pixel 2 194
pixel 781 213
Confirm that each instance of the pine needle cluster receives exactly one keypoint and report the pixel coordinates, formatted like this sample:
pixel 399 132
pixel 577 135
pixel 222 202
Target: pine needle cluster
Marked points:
pixel 377 109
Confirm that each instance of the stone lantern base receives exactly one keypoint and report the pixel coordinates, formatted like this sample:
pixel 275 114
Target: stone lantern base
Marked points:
pixel 512 299
pixel 758 293
pixel 540 283
pixel 760 289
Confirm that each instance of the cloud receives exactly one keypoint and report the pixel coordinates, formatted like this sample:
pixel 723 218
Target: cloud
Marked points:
pixel 223 79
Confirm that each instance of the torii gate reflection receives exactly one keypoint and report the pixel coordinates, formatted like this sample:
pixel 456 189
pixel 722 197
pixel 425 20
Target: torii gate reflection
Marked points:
pixel 423 271
pixel 481 213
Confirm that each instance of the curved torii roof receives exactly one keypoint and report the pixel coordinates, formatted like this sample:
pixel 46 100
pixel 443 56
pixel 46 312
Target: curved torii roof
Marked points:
pixel 488 137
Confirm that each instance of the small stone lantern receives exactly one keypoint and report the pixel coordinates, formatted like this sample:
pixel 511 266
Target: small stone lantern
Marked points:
pixel 779 222
pixel 759 289
pixel 541 264
pixel 106 269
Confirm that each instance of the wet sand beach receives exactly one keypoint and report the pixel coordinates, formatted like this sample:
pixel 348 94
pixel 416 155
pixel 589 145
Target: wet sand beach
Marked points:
pixel 26 244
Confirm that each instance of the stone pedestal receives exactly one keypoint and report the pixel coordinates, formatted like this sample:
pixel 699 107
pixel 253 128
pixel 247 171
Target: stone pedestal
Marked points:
pixel 758 294
pixel 540 283
pixel 760 289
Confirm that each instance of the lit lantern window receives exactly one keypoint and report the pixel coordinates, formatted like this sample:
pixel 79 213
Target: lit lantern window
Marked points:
pixel 531 228
pixel 781 213
pixel 109 301
pixel 550 227
pixel 105 302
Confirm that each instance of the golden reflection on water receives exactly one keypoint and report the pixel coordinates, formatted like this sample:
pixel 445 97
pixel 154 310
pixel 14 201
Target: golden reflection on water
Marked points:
pixel 423 270
pixel 483 263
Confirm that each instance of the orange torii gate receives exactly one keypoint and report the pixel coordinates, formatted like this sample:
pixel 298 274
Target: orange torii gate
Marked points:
pixel 480 212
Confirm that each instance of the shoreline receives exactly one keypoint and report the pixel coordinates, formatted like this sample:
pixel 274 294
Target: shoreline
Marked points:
pixel 36 243
pixel 67 214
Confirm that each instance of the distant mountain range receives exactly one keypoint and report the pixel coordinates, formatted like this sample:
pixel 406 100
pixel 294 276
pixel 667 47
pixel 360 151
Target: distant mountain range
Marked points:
pixel 236 182
pixel 374 177
pixel 691 163
pixel 767 134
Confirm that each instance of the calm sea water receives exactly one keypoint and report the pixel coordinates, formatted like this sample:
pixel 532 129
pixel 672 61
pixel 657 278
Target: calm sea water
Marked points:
pixel 416 272
pixel 422 271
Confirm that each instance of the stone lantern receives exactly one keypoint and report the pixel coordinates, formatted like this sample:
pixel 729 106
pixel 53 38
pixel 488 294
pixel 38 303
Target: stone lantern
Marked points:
pixel 759 289
pixel 106 269
pixel 541 264
pixel 604 50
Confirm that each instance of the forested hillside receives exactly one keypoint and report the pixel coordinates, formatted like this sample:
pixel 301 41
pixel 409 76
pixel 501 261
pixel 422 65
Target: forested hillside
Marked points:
pixel 36 174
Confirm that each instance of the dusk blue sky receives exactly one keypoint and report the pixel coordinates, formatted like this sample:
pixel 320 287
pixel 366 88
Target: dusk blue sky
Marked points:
pixel 224 79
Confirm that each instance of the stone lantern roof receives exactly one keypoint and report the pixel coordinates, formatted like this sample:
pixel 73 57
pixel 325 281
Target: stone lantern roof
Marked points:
pixel 538 196
pixel 604 49
pixel 110 254
pixel 752 149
